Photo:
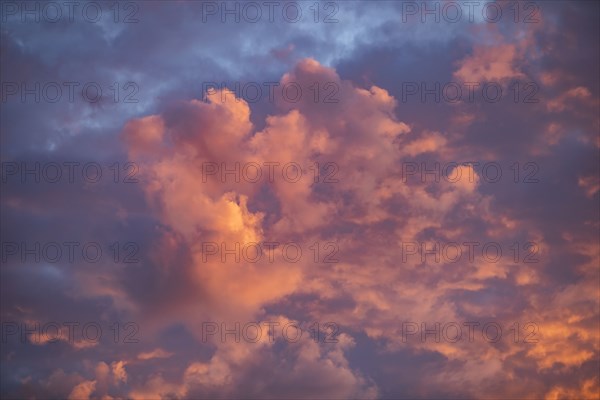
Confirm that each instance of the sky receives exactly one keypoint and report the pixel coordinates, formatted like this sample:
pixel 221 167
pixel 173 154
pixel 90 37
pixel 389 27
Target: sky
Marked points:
pixel 300 200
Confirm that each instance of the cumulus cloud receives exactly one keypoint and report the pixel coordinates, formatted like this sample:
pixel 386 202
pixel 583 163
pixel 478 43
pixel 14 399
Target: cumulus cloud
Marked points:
pixel 371 188
pixel 368 144
pixel 83 391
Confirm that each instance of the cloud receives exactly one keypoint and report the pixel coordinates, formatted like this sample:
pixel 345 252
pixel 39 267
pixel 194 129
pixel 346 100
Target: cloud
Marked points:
pixel 158 353
pixel 83 391
pixel 490 63
pixel 348 140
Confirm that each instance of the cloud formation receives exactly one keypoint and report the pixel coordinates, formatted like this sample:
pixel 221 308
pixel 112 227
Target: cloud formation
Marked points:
pixel 349 242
